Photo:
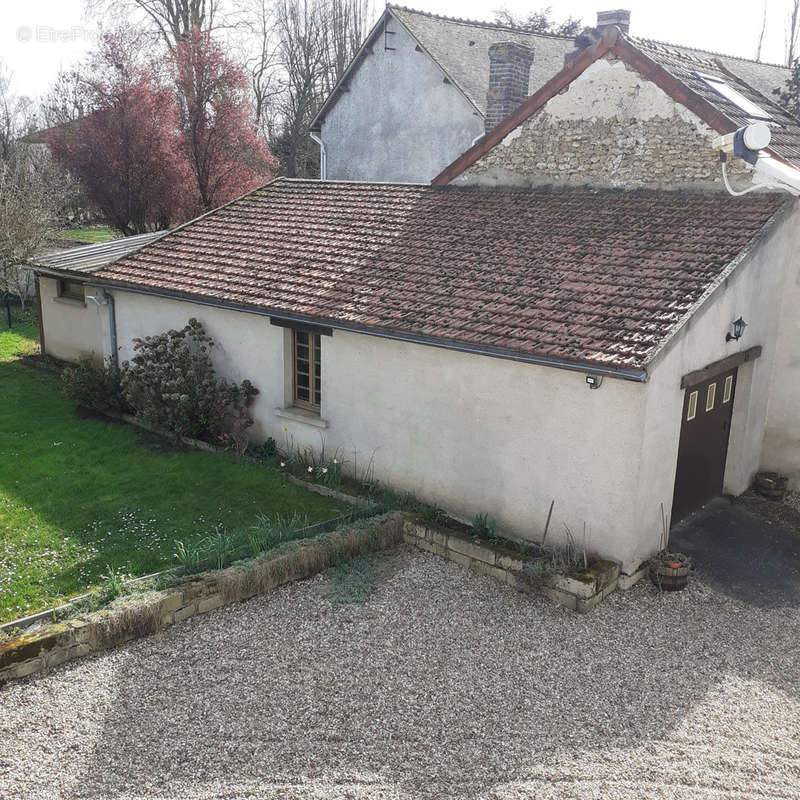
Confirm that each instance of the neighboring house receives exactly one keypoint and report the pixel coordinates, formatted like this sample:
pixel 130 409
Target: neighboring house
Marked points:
pixel 493 349
pixel 417 94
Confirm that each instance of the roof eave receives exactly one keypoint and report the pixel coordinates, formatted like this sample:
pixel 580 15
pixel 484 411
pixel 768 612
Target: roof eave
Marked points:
pixel 635 374
pixel 672 336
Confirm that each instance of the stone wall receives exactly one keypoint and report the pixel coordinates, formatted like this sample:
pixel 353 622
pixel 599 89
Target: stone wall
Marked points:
pixel 56 643
pixel 610 127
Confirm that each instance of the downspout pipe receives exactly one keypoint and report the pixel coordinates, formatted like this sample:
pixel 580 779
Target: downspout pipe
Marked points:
pixel 105 298
pixel 112 330
pixel 323 157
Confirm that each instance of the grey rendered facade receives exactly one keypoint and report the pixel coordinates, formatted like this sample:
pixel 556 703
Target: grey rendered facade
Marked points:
pixel 415 96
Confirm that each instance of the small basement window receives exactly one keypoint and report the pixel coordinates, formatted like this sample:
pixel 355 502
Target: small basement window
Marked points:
pixel 307 370
pixel 722 87
pixel 72 290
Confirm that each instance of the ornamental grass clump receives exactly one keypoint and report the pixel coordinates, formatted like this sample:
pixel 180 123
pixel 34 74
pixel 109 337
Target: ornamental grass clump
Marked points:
pixel 171 384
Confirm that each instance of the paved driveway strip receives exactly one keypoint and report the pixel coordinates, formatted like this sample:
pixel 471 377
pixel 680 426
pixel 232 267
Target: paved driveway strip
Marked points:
pixel 742 555
pixel 443 685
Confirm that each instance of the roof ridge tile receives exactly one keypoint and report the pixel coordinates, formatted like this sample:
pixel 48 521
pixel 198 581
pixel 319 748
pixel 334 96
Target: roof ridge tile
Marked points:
pixel 476 22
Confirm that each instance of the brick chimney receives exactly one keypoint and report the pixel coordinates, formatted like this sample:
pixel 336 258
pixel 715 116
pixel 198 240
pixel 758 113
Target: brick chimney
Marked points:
pixel 621 18
pixel 509 75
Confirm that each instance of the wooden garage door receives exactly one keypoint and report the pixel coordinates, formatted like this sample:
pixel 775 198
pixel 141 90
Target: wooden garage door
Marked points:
pixel 703 448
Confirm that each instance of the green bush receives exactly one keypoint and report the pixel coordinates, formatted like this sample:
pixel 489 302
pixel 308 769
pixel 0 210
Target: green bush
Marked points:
pixel 93 385
pixel 171 384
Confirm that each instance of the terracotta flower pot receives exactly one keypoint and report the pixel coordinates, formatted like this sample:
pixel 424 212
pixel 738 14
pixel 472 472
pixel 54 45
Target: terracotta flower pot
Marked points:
pixel 670 571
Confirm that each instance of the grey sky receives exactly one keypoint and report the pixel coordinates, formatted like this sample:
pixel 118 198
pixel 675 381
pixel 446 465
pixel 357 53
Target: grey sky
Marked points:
pixel 39 37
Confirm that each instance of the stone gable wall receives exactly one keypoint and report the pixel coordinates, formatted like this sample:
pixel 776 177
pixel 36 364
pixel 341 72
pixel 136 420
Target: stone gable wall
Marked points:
pixel 610 127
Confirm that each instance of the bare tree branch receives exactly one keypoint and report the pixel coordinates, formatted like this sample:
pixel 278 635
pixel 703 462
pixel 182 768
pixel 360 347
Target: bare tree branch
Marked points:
pixel 174 19
pixel 760 43
pixel 792 32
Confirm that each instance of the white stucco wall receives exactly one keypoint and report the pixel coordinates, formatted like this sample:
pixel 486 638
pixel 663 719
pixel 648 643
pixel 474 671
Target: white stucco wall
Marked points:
pixel 752 291
pixel 472 434
pixel 476 434
pixel 398 120
pixel 73 330
pixel 781 450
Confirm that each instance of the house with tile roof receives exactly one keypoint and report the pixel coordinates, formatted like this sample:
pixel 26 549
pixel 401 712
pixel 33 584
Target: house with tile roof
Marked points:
pixel 612 332
pixel 417 94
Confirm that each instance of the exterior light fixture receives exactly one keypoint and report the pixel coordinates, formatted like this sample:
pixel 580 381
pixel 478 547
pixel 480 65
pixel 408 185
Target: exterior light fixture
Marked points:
pixel 738 330
pixel 594 381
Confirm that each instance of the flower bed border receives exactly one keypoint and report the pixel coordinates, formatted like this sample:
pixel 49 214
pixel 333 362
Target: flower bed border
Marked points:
pixel 59 642
pixel 579 594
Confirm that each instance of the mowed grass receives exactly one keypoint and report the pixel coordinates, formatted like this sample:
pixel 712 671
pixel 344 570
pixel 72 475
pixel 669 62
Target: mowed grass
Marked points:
pixel 90 235
pixel 81 496
pixel 21 339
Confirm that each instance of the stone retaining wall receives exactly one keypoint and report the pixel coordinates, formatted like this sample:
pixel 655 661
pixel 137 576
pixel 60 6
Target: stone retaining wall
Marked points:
pixel 56 643
pixel 579 594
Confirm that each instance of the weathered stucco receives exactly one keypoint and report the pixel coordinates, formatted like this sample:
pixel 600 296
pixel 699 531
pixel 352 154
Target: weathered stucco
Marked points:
pixel 781 449
pixel 753 291
pixel 610 127
pixel 398 121
pixel 73 330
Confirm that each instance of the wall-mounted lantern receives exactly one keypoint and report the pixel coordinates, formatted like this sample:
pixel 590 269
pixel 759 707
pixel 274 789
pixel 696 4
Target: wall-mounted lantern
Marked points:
pixel 737 330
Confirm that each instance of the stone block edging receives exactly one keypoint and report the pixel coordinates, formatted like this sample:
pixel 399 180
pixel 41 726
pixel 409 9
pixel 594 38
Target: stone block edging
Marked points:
pixel 144 615
pixel 577 594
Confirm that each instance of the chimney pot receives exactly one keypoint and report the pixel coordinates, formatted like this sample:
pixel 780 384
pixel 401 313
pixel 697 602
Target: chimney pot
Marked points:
pixel 621 18
pixel 509 76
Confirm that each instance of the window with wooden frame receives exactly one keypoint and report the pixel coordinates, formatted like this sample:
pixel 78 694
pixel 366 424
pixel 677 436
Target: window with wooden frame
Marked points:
pixel 71 290
pixel 307 370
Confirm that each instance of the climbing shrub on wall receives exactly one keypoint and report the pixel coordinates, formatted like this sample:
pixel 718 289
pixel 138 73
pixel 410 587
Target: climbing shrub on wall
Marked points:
pixel 171 384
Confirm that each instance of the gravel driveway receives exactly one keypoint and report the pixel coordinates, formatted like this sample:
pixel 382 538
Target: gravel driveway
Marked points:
pixel 443 685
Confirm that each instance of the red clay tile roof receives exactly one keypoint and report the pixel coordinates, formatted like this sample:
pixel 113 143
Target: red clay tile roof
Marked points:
pixel 588 276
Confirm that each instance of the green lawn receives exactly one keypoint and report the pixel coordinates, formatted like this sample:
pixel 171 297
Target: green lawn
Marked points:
pixel 22 338
pixel 90 235
pixel 80 495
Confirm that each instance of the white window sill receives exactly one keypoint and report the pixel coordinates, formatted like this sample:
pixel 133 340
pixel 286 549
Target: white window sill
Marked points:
pixel 301 415
pixel 70 301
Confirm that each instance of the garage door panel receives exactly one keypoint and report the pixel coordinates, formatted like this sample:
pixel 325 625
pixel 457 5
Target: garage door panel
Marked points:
pixel 703 448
